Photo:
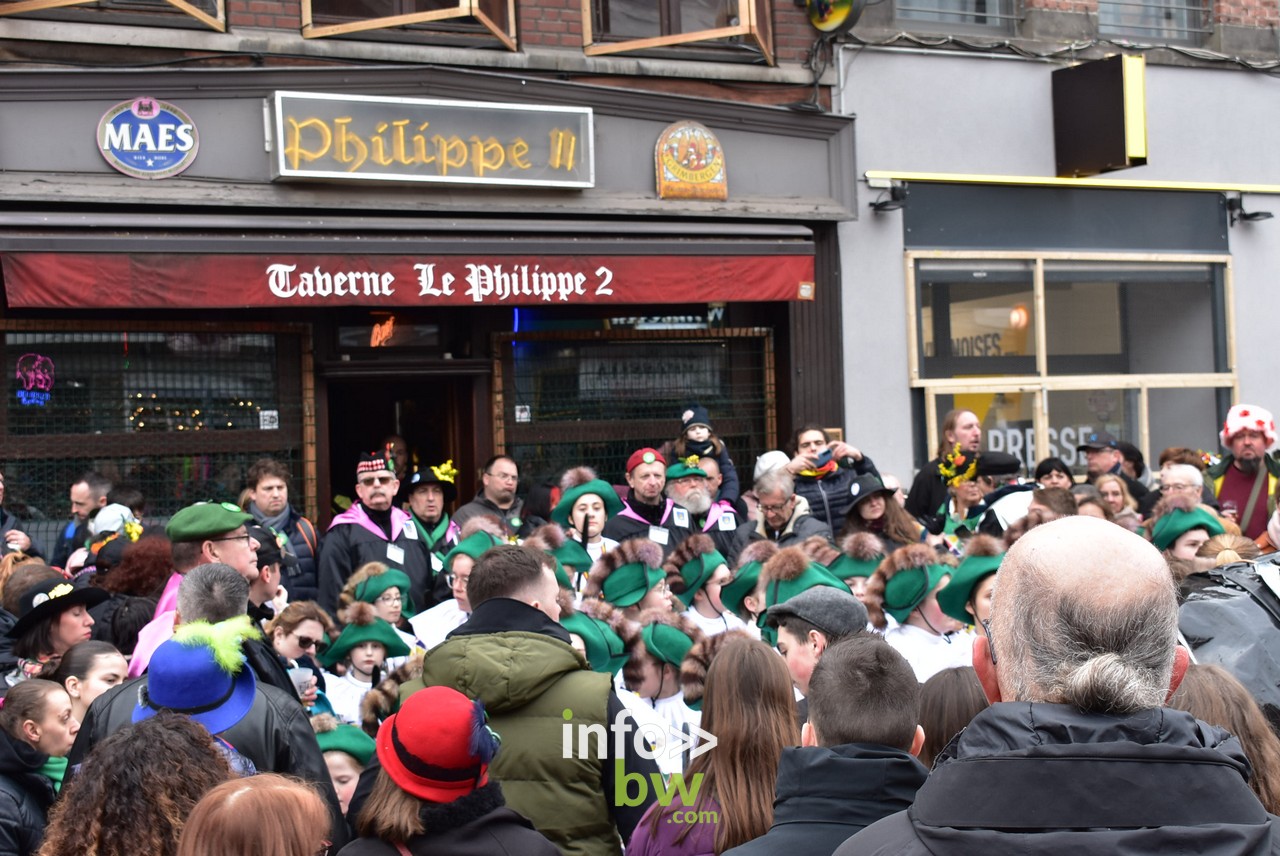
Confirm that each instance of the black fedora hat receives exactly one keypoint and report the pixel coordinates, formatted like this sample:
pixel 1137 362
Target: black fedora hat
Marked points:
pixel 50 597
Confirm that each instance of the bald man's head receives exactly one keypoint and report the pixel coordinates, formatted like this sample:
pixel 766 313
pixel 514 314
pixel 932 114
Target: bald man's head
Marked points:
pixel 1085 613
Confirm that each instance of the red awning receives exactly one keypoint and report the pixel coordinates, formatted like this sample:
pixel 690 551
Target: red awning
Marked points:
pixel 40 280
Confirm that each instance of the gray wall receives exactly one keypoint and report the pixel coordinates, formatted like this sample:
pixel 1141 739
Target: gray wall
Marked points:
pixel 922 111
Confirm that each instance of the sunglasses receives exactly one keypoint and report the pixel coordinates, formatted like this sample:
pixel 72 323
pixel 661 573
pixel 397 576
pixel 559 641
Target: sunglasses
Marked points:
pixel 370 481
pixel 306 643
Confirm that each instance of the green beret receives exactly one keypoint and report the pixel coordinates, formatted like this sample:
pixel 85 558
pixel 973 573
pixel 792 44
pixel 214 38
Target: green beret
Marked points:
pixel 628 585
pixel 957 592
pixel 348 739
pixel 665 643
pixel 605 651
pixel 909 587
pixel 696 572
pixel 778 591
pixel 601 488
pixel 372 587
pixel 206 520
pixel 685 467
pixel 354 634
pixel 846 566
pixel 744 582
pixel 474 545
pixel 1177 523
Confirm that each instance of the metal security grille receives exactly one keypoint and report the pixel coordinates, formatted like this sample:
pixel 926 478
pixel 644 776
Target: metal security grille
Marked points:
pixel 566 399
pixel 179 413
pixel 1168 21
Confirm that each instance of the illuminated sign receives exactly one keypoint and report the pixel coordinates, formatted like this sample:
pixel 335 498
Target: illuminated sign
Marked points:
pixel 368 138
pixel 146 138
pixel 35 373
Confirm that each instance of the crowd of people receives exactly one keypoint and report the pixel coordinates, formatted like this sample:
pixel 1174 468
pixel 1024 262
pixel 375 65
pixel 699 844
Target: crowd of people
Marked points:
pixel 801 658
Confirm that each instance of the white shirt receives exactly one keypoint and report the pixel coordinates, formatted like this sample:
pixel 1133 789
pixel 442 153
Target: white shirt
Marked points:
pixel 345 694
pixel 725 621
pixel 393 663
pixel 596 549
pixel 927 653
pixel 649 722
pixel 432 625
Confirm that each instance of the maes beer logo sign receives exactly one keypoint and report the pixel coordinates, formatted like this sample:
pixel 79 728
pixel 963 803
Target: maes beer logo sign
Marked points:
pixel 146 138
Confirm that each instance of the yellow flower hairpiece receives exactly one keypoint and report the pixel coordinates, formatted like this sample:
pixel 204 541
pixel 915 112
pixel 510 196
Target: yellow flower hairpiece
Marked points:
pixel 957 467
pixel 132 530
pixel 446 472
pixel 692 461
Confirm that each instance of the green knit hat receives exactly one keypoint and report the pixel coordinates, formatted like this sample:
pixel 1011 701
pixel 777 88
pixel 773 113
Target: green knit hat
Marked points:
pixel 345 738
pixel 359 631
pixel 908 588
pixel 372 587
pixel 474 545
pixel 605 649
pixel 685 467
pixel 965 578
pixel 696 560
pixel 601 488
pixel 205 520
pixel 1177 522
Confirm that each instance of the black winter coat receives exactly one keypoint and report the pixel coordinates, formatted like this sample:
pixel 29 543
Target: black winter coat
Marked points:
pixel 478 824
pixel 25 797
pixel 829 498
pixel 826 795
pixel 1048 779
pixel 275 735
pixel 349 545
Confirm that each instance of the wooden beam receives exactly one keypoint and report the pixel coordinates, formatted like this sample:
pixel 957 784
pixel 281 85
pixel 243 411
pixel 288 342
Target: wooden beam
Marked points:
pixel 310 31
pixel 666 41
pixel 219 23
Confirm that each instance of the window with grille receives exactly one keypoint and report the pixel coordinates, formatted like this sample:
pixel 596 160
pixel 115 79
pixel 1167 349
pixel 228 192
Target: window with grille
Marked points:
pixel 635 25
pixel 490 18
pixel 178 414
pixel 565 400
pixel 957 15
pixel 165 13
pixel 1163 21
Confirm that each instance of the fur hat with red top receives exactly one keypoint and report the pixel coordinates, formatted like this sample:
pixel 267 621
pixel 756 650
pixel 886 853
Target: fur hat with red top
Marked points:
pixel 1248 417
pixel 437 747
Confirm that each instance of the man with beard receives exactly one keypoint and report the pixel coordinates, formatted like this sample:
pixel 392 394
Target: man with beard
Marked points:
pixel 646 513
pixel 1245 480
pixel 373 530
pixel 497 497
pixel 695 510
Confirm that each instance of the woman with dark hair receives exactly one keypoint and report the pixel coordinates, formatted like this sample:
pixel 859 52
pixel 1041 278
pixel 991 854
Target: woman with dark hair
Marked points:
pixel 1212 694
pixel 1054 472
pixel 135 790
pixel 87 671
pixel 875 511
pixel 749 706
pixel 53 616
pixel 35 725
pixel 948 701
pixel 824 472
pixel 433 794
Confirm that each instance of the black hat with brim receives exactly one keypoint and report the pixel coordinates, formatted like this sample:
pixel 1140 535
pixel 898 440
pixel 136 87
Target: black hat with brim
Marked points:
pixel 50 597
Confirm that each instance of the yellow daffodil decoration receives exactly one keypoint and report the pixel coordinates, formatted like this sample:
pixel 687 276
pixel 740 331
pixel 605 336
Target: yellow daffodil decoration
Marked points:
pixel 692 462
pixel 957 467
pixel 446 472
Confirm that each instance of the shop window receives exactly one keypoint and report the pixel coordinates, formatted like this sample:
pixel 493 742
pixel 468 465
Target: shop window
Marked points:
pixel 566 399
pixel 1163 21
pixel 1045 349
pixel 180 414
pixel 459 18
pixel 956 15
pixel 206 13
pixel 619 26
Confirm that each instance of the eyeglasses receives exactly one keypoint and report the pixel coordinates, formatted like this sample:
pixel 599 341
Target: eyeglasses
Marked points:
pixel 775 508
pixel 506 477
pixel 370 481
pixel 991 642
pixel 306 643
pixel 1179 487
pixel 246 538
pixel 453 579
pixel 389 597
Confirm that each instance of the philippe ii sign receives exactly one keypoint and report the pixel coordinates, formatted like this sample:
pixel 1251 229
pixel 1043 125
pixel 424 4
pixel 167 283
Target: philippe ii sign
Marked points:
pixel 362 138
